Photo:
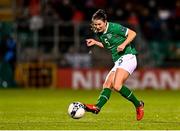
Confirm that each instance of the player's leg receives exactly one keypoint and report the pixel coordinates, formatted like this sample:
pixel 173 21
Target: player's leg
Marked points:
pixel 120 77
pixel 106 92
pixel 104 95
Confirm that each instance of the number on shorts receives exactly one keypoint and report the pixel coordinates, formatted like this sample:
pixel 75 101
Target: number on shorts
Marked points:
pixel 120 61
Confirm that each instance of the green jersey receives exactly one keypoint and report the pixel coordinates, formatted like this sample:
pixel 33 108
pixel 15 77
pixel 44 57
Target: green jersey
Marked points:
pixel 114 36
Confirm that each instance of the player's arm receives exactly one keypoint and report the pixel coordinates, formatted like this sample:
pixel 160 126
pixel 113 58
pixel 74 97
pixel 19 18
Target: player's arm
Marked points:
pixel 91 42
pixel 130 36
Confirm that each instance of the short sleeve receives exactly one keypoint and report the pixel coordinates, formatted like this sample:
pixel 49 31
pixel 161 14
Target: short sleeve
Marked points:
pixel 120 29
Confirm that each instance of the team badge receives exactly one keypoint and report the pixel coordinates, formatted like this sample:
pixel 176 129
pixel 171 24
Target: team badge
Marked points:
pixel 109 36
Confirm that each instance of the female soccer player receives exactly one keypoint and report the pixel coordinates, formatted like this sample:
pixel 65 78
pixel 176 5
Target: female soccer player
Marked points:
pixel 117 39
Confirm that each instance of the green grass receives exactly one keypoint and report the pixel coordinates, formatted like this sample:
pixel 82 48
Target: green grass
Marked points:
pixel 43 109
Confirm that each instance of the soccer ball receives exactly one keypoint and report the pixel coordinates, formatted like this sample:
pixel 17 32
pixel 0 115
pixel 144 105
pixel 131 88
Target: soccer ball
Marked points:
pixel 76 110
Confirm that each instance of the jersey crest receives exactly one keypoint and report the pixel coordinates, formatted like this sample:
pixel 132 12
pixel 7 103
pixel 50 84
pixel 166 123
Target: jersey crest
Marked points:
pixel 109 36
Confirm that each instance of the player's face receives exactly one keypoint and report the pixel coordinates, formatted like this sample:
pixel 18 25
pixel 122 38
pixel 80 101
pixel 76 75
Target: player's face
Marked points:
pixel 99 25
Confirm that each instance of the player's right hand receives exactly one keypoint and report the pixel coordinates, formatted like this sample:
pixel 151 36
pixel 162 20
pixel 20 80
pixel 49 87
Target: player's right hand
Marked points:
pixel 90 42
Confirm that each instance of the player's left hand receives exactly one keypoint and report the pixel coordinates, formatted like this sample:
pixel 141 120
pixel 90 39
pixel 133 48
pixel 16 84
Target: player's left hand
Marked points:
pixel 121 47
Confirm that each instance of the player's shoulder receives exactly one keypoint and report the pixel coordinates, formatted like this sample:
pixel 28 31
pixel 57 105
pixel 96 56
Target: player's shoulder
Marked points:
pixel 114 24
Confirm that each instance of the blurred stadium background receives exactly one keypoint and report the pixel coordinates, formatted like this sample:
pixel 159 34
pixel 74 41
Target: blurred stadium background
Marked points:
pixel 43 57
pixel 42 43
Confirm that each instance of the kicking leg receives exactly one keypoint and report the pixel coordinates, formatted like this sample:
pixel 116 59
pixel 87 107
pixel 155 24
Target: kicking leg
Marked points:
pixel 104 95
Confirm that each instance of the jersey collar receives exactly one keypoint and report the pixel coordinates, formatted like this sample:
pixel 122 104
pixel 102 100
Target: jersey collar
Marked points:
pixel 106 28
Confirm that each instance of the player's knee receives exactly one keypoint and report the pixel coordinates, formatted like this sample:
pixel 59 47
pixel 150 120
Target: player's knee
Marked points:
pixel 117 87
pixel 107 84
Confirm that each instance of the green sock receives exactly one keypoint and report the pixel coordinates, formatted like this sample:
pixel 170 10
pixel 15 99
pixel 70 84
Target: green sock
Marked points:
pixel 126 93
pixel 103 97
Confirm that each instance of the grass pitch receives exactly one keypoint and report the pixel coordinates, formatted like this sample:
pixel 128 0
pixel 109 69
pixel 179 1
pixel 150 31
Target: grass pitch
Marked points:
pixel 46 109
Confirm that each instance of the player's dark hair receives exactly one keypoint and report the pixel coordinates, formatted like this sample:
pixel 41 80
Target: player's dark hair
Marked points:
pixel 100 15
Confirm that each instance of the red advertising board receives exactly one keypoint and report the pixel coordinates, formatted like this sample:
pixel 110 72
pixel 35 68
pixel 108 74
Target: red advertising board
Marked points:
pixel 81 78
pixel 140 79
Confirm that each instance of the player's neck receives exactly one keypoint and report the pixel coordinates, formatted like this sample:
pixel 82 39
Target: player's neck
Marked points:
pixel 107 25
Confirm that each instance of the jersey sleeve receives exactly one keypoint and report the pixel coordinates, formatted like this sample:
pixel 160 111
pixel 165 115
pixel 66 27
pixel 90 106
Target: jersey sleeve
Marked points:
pixel 120 29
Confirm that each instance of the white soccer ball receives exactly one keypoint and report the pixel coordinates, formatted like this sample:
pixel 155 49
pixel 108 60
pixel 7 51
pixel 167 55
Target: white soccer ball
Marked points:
pixel 76 110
